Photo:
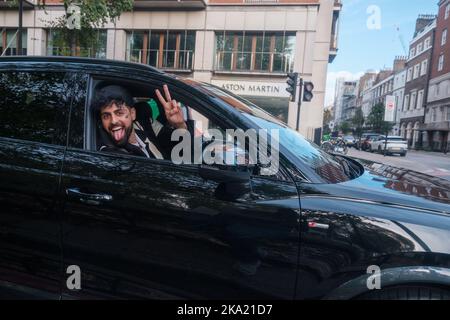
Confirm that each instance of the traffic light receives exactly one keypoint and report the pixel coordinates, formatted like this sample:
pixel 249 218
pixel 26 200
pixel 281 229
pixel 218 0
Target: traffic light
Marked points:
pixel 292 84
pixel 308 87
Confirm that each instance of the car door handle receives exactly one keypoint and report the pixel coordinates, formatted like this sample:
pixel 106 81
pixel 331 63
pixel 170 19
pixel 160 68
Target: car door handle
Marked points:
pixel 89 198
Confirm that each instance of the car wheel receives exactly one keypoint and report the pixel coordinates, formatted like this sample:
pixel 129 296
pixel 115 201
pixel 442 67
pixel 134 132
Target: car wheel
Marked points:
pixel 407 293
pixel 379 149
pixel 403 154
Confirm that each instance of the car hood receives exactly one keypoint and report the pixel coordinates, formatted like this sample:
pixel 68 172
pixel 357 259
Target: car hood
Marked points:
pixel 393 186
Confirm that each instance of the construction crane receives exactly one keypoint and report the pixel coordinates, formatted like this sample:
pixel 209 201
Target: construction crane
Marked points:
pixel 402 40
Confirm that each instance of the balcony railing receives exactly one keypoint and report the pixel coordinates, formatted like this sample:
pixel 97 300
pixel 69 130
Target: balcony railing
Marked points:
pixel 163 59
pixel 254 61
pixel 77 52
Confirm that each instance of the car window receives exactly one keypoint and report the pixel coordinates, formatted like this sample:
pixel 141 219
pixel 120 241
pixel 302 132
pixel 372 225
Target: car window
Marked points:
pixel 34 106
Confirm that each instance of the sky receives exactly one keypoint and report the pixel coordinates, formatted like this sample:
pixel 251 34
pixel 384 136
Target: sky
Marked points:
pixel 371 33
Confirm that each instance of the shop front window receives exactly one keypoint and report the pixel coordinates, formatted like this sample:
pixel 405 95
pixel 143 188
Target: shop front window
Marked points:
pixel 162 49
pixel 255 52
pixel 9 42
pixel 91 44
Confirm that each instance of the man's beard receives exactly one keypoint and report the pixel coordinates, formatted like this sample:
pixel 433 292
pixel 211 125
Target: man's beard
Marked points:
pixel 122 142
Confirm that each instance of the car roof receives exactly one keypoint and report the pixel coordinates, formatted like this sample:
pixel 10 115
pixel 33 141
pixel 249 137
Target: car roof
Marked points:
pixel 79 60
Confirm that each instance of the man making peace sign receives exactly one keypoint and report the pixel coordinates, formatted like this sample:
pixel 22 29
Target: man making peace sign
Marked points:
pixel 147 137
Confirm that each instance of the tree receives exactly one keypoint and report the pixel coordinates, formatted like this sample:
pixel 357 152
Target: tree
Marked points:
pixel 327 118
pixel 376 119
pixel 93 14
pixel 358 122
pixel 345 127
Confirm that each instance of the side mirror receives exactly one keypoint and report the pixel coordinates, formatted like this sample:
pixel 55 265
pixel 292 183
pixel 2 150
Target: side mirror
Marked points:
pixel 225 175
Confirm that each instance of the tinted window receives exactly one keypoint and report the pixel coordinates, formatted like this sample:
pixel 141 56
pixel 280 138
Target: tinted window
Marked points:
pixel 34 106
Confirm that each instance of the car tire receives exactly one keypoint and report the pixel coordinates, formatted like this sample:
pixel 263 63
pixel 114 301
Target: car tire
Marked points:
pixel 403 154
pixel 379 149
pixel 413 292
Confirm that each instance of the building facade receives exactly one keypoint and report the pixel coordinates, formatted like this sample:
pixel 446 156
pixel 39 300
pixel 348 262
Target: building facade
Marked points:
pixel 245 46
pixel 418 68
pixel 437 115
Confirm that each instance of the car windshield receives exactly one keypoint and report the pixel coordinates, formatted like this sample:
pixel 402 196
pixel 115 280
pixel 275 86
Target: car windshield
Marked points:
pixel 325 165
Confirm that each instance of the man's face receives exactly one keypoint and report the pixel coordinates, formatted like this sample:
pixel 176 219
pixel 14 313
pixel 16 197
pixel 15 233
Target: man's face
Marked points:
pixel 118 122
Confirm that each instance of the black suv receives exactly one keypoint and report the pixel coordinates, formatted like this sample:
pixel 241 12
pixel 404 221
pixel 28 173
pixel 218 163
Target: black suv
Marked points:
pixel 318 227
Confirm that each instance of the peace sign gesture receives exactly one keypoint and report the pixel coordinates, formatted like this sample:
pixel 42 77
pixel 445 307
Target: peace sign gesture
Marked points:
pixel 172 109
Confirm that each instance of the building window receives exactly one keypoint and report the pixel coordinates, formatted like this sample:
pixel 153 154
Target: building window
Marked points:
pixel 9 42
pixel 162 49
pixel 434 115
pixel 413 101
pixel 412 52
pixel 441 63
pixel 406 105
pixel 427 43
pixel 420 99
pixel 447 11
pixel 419 48
pixel 59 44
pixel 409 75
pixel 444 37
pixel 423 69
pixel 245 51
pixel 416 70
pixel 448 114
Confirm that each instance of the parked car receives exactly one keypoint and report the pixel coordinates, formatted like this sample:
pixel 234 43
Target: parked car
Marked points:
pixel 367 139
pixel 150 228
pixel 394 145
pixel 350 141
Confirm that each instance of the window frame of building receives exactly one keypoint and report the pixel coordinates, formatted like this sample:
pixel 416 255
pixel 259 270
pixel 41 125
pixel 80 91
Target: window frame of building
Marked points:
pixel 10 45
pixel 427 43
pixel 163 49
pixel 433 115
pixel 406 103
pixel 244 55
pixel 424 67
pixel 420 99
pixel 448 114
pixel 409 74
pixel 413 100
pixel 412 52
pixel 416 71
pixel 447 11
pixel 444 37
pixel 95 51
pixel 419 48
pixel 441 62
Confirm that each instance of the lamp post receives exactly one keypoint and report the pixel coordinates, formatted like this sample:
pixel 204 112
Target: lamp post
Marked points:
pixel 19 31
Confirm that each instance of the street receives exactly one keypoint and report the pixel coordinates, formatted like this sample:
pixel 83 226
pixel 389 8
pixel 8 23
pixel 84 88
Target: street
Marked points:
pixel 434 164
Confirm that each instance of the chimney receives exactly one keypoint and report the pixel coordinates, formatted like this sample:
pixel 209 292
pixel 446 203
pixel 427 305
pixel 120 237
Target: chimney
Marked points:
pixel 422 21
pixel 399 63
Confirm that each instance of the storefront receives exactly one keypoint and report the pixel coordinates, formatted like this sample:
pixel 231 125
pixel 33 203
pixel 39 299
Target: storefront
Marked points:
pixel 270 96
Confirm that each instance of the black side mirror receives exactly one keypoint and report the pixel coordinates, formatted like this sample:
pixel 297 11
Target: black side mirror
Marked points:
pixel 226 175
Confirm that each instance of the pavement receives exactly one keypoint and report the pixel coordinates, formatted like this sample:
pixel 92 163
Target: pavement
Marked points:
pixel 432 163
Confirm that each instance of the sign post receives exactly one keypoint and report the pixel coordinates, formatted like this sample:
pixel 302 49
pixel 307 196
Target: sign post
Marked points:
pixel 389 116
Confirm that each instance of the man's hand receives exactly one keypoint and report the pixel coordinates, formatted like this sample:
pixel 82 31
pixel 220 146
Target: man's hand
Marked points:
pixel 172 109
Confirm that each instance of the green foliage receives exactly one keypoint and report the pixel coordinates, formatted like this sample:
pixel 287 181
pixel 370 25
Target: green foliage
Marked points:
pixel 345 127
pixel 94 14
pixel 376 119
pixel 327 118
pixel 358 122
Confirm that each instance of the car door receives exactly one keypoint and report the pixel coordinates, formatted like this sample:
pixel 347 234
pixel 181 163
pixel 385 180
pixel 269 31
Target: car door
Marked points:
pixel 33 129
pixel 147 228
